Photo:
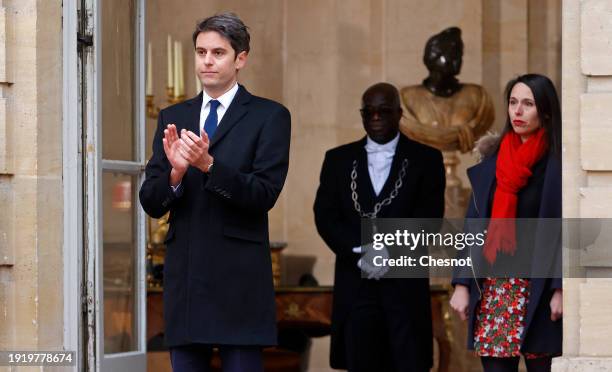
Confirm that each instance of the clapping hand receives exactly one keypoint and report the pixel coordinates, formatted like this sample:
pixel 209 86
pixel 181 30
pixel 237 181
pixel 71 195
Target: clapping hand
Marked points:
pixel 194 149
pixel 171 144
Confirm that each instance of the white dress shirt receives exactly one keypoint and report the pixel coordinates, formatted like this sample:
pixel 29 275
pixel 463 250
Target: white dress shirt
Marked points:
pixel 380 158
pixel 225 100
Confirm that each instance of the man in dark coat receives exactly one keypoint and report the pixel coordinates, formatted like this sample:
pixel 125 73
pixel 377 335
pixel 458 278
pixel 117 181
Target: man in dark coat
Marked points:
pixel 378 325
pixel 219 163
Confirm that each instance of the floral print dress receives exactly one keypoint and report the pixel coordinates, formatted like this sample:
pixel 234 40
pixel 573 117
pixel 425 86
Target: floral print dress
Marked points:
pixel 500 318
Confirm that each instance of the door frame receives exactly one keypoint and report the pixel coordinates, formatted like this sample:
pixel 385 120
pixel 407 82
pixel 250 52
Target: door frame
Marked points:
pixel 72 190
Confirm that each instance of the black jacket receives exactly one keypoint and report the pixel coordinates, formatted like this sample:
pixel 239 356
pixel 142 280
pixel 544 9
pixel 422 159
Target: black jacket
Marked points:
pixel 217 275
pixel 422 195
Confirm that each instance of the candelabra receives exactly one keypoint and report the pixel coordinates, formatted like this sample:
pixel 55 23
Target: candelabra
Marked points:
pixel 155 247
pixel 153 111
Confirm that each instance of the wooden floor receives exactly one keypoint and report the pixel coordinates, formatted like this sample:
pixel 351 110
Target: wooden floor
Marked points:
pixel 158 361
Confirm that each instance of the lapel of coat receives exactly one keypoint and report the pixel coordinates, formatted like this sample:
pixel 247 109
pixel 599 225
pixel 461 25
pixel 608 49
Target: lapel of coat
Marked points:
pixel 365 190
pixel 194 106
pixel 550 206
pixel 482 176
pixel 236 111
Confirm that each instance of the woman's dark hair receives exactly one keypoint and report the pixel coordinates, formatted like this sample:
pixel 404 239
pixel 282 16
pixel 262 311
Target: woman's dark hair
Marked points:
pixel 230 27
pixel 547 104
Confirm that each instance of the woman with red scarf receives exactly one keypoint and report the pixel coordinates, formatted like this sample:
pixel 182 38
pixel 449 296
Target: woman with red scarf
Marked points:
pixel 519 177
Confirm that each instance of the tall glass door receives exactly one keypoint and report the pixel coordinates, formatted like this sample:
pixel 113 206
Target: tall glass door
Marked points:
pixel 115 169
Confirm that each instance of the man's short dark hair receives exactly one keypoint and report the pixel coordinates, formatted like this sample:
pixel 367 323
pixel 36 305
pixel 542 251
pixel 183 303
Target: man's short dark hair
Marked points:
pixel 230 27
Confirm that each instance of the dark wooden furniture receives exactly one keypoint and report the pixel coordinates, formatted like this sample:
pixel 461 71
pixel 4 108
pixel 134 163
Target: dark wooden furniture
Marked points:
pixel 308 309
pixel 305 308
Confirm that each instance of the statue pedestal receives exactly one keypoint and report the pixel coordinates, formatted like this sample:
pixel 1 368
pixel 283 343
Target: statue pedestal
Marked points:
pixel 456 196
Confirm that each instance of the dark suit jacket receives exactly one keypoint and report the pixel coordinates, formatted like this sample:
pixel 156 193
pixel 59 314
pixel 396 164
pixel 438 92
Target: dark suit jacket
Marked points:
pixel 541 335
pixel 217 275
pixel 422 195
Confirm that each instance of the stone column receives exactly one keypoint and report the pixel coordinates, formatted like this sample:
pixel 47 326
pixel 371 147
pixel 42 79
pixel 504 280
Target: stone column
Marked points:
pixel 587 167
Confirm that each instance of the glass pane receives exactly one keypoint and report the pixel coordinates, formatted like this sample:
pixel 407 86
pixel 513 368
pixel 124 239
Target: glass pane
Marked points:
pixel 118 79
pixel 119 257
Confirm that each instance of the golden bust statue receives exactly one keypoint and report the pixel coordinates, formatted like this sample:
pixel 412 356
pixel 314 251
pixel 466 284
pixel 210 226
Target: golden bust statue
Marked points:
pixel 442 112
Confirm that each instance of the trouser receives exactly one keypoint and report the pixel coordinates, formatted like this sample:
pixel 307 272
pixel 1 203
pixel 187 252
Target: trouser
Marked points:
pixel 196 358
pixel 380 335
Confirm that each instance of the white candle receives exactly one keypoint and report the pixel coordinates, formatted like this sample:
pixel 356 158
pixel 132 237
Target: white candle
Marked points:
pixel 169 61
pixel 149 88
pixel 198 84
pixel 178 67
pixel 175 74
pixel 181 70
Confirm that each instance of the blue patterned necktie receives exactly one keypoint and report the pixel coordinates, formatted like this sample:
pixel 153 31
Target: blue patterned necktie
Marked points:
pixel 210 125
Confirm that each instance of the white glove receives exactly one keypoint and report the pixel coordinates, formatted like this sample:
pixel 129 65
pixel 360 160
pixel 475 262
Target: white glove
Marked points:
pixel 366 262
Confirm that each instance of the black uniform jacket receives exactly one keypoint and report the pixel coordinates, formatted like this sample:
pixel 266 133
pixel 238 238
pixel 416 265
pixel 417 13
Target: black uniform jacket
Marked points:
pixel 338 223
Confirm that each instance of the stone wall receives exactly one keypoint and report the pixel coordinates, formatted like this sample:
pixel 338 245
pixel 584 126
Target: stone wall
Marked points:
pixel 31 272
pixel 587 176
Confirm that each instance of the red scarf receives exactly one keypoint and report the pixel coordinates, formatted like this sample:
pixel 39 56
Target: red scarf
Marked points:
pixel 513 169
